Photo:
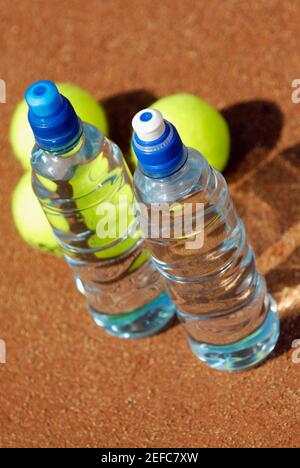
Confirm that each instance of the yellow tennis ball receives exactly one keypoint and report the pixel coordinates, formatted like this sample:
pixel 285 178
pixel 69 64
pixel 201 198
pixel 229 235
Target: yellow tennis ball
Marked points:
pixel 30 219
pixel 87 178
pixel 116 216
pixel 86 107
pixel 199 125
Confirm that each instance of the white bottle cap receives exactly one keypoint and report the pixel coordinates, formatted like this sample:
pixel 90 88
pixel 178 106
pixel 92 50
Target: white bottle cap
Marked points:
pixel 148 124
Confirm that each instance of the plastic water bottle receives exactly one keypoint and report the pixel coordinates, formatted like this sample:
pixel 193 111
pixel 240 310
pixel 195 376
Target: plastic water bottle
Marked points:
pixel 77 172
pixel 221 298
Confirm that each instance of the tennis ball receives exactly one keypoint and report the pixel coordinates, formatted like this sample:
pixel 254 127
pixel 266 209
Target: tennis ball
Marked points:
pixel 139 261
pixel 199 125
pixel 122 201
pixel 87 177
pixel 30 219
pixel 87 108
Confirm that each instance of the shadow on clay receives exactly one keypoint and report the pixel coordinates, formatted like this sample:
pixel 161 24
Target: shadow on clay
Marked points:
pixel 255 128
pixel 120 109
pixel 284 171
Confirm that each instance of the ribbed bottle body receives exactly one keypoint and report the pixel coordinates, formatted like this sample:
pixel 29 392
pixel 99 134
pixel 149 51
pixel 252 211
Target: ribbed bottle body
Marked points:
pixel 88 200
pixel 209 268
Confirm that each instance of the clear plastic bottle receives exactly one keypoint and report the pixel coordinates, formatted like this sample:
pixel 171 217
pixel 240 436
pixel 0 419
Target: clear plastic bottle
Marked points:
pixel 76 170
pixel 222 300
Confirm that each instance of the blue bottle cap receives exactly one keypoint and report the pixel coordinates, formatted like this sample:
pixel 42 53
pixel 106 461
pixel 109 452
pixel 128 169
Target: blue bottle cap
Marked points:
pixel 156 143
pixel 52 118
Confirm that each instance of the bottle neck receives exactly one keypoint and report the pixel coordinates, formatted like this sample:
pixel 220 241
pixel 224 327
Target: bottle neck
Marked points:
pixel 54 122
pixel 166 173
pixel 162 156
pixel 68 148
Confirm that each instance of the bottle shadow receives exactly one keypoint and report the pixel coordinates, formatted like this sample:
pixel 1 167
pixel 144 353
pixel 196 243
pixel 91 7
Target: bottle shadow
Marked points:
pixel 275 189
pixel 120 109
pixel 284 278
pixel 289 332
pixel 255 128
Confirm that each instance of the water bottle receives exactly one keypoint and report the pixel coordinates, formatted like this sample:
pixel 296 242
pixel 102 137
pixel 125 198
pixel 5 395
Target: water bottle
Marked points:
pixel 76 172
pixel 208 265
